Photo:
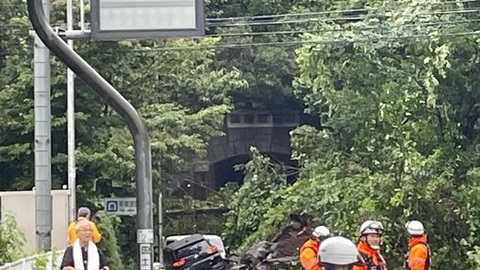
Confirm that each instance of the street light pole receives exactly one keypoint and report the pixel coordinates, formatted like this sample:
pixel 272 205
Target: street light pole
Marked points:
pixel 71 124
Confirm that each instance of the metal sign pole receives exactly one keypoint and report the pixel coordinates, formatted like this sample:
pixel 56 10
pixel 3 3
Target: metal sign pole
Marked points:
pixel 117 20
pixel 72 186
pixel 43 140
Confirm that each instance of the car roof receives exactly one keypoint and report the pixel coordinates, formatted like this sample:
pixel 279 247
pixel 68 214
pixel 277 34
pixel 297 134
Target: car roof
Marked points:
pixel 178 237
pixel 185 241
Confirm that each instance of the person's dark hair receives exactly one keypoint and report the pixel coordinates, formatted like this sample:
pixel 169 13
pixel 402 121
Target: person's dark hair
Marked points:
pixel 83 212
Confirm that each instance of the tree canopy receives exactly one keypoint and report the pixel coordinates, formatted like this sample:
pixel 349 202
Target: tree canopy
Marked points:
pixel 396 94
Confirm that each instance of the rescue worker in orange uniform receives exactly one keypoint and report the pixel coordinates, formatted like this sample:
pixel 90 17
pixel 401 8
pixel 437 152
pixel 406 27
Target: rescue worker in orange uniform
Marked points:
pixel 418 256
pixel 369 246
pixel 309 249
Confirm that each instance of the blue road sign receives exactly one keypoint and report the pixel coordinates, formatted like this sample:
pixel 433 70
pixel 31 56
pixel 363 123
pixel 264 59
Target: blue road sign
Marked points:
pixel 121 206
pixel 111 206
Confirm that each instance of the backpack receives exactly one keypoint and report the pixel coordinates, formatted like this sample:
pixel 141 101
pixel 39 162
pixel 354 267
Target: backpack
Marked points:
pixel 427 261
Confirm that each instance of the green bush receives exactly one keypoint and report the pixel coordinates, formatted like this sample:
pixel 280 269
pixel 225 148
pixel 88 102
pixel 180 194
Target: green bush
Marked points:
pixel 109 244
pixel 12 240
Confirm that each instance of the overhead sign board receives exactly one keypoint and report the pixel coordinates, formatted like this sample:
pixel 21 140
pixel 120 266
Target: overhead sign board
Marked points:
pixel 121 206
pixel 142 19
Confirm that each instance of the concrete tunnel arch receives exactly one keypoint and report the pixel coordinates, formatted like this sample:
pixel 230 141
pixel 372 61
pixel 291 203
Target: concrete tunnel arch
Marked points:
pixel 268 131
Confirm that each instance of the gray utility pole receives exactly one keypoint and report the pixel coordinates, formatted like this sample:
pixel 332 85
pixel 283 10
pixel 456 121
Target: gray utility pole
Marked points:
pixel 131 117
pixel 71 125
pixel 160 229
pixel 43 171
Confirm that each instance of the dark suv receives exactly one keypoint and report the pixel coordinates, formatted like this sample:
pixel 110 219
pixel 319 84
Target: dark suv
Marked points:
pixel 193 253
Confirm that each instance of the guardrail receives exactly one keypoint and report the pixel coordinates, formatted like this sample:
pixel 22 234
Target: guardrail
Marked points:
pixel 53 261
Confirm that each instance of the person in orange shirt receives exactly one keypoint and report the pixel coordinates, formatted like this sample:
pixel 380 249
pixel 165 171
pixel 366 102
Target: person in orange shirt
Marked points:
pixel 309 250
pixel 418 256
pixel 83 213
pixel 369 246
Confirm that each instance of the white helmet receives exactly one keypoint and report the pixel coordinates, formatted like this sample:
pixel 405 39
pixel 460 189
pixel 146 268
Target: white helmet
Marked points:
pixel 371 227
pixel 321 232
pixel 338 250
pixel 415 227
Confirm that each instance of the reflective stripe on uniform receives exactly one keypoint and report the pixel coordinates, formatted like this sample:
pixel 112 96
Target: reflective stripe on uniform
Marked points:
pixel 310 263
pixel 416 261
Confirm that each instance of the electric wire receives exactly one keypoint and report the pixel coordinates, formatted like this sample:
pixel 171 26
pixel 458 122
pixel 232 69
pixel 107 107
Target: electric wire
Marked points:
pixel 217 21
pixel 258 17
pixel 322 30
pixel 285 32
pixel 445 3
pixel 297 43
pixel 379 26
pixel 334 19
pixel 310 42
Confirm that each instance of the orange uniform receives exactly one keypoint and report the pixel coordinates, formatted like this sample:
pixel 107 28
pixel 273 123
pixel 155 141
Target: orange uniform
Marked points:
pixel 419 254
pixel 308 255
pixel 373 259
pixel 72 232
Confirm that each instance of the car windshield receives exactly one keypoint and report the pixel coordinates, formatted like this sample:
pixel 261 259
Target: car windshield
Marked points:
pixel 217 242
pixel 192 250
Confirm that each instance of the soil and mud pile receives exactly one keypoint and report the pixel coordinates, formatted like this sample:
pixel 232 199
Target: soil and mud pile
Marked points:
pixel 281 252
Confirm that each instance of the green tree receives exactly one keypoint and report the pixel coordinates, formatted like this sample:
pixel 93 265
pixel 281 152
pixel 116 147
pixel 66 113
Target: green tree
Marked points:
pixel 251 203
pixel 184 86
pixel 397 134
pixel 15 95
pixel 12 240
pixel 109 244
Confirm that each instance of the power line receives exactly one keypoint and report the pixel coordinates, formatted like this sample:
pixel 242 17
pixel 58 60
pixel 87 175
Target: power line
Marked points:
pixel 260 17
pixel 316 20
pixel 295 42
pixel 379 26
pixel 455 2
pixel 322 30
pixel 286 32
pixel 215 22
pixel 310 42
pixel 356 10
pixel 341 18
pixel 271 16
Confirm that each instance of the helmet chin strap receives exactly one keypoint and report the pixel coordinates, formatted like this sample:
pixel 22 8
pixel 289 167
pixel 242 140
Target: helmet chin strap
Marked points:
pixel 376 247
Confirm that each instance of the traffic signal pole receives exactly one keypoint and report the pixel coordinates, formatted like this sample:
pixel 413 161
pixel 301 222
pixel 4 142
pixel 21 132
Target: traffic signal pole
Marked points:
pixel 131 117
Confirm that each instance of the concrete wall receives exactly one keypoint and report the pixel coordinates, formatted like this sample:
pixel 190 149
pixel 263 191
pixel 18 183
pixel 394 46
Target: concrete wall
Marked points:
pixel 238 141
pixel 22 205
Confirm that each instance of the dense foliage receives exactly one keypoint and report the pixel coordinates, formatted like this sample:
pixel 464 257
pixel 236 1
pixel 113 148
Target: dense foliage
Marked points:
pixel 181 94
pixel 398 100
pixel 11 240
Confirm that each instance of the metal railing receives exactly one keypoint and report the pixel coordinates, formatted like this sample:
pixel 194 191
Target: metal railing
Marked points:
pixel 37 261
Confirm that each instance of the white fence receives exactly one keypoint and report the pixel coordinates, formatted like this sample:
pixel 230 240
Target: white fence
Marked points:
pixel 46 261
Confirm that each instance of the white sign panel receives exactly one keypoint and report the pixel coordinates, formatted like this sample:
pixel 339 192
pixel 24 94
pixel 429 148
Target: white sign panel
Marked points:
pixel 121 206
pixel 145 236
pixel 147 15
pixel 145 257
pixel 123 19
